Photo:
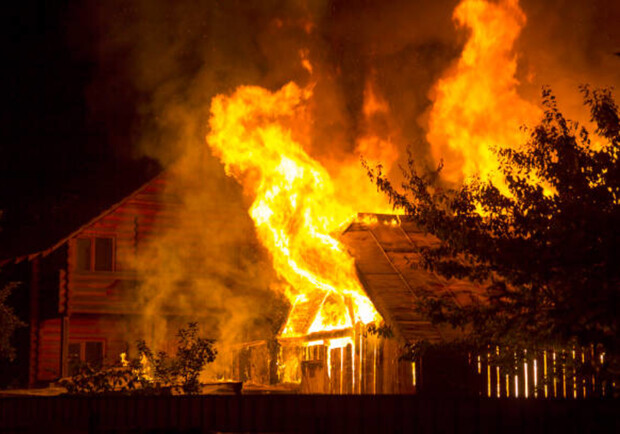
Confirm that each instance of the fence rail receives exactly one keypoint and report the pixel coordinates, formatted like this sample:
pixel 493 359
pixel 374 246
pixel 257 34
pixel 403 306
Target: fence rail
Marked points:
pixel 305 413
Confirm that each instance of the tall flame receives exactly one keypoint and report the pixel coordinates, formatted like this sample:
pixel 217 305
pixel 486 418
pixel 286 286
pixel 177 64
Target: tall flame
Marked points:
pixel 476 105
pixel 258 136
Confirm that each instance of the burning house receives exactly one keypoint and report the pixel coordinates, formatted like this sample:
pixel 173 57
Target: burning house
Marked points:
pixel 342 355
pixel 82 302
pixel 349 280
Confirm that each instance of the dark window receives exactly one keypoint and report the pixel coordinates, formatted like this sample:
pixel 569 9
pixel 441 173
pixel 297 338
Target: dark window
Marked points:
pixel 83 252
pixel 93 354
pixel 80 353
pixel 74 358
pixel 104 253
pixel 94 254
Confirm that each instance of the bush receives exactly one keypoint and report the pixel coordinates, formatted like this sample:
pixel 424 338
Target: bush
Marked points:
pixel 150 372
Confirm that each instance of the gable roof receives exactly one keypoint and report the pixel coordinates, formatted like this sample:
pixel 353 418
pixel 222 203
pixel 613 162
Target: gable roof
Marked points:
pixel 386 252
pixel 155 184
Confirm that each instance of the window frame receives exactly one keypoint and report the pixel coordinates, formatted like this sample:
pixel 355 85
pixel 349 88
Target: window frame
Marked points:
pixel 92 250
pixel 82 354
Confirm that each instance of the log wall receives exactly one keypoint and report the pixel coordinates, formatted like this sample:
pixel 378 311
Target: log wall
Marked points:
pixel 129 225
pixel 90 305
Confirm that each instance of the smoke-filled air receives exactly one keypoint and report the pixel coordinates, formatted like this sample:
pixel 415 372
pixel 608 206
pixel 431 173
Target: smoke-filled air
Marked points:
pixel 260 113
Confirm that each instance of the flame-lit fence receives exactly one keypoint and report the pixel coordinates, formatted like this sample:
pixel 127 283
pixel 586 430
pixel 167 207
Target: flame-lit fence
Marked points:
pixel 305 413
pixel 568 374
pixel 373 366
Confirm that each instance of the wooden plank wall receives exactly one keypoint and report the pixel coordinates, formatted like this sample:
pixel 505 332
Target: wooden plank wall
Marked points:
pixel 254 364
pixel 130 225
pixel 94 300
pixel 372 367
pixel 110 331
pixel 48 366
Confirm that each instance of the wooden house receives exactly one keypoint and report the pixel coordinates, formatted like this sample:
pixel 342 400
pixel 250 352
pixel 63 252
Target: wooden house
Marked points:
pixel 78 290
pixel 80 305
pixel 81 296
pixel 358 359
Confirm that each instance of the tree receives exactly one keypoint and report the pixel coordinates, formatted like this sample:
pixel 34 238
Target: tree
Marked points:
pixel 9 322
pixel 544 252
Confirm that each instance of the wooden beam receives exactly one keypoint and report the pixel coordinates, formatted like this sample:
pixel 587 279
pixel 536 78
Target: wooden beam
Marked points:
pixel 34 320
pixel 64 346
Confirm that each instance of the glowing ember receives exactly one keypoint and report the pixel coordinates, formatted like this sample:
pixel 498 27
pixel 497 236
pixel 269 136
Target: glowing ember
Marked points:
pixel 476 105
pixel 258 136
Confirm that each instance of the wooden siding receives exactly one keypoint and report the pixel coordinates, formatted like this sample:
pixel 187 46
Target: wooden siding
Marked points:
pixel 111 331
pixel 371 366
pixel 130 224
pixel 97 306
pixel 48 366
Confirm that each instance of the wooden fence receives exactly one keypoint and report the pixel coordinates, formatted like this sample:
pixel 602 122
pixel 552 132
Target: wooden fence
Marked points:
pixel 306 413
pixel 569 374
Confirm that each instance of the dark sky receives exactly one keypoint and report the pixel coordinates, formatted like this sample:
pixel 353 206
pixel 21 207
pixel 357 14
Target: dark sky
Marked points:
pixel 60 160
pixel 86 84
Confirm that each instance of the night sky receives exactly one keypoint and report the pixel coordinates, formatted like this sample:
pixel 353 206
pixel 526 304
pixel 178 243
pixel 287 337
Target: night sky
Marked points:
pixel 61 159
pixel 82 83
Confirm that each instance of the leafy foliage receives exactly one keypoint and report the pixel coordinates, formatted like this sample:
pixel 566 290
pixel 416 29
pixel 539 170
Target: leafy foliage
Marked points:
pixel 381 330
pixel 150 372
pixel 9 322
pixel 413 351
pixel 192 355
pixel 117 378
pixel 544 251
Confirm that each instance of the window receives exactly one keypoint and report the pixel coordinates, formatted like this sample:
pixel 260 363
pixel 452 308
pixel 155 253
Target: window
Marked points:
pixel 314 352
pixel 74 358
pixel 79 353
pixel 93 353
pixel 83 248
pixel 94 254
pixel 104 252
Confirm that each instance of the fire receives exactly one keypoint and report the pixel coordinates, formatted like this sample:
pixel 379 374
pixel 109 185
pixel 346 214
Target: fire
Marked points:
pixel 258 135
pixel 297 206
pixel 374 144
pixel 476 105
pixel 145 371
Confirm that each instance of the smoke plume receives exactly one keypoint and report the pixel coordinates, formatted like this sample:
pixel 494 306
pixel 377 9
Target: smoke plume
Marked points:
pixel 371 65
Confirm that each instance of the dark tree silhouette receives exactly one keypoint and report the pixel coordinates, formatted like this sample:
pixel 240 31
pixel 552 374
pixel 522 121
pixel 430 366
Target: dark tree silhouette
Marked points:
pixel 9 322
pixel 545 252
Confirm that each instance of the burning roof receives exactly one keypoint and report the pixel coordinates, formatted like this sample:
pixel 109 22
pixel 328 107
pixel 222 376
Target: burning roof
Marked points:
pixel 386 253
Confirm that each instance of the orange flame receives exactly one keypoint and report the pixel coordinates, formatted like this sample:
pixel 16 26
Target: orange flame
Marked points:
pixel 257 134
pixel 375 145
pixel 476 105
